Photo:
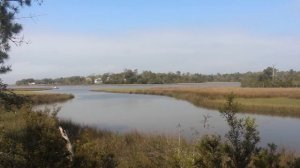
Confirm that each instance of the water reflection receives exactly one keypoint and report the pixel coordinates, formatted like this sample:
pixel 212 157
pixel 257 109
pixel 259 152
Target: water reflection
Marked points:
pixel 159 114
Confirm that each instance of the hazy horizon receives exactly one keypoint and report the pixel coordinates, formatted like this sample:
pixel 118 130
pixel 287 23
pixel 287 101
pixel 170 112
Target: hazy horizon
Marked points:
pixel 80 38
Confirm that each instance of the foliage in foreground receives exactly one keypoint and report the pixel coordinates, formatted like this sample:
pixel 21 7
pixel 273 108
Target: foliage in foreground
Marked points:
pixel 33 142
pixel 242 136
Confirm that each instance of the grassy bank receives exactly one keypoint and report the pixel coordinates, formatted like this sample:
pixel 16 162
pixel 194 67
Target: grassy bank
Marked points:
pixel 92 148
pixel 42 97
pixel 269 101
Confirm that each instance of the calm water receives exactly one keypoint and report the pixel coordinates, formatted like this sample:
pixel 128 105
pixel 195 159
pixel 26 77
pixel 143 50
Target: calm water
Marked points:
pixel 159 114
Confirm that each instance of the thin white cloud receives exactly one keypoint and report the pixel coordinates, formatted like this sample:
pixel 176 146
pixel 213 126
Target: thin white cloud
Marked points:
pixel 203 51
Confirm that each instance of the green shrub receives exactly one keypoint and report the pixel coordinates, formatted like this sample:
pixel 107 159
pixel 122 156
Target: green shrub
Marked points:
pixel 90 153
pixel 210 152
pixel 36 144
pixel 267 157
pixel 242 136
pixel 295 163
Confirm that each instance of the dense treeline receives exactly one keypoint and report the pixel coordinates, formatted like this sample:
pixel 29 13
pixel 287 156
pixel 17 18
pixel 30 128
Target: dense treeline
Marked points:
pixel 74 80
pixel 269 77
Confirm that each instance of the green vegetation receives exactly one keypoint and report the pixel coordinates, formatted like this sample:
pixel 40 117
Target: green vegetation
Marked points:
pixel 9 31
pixel 270 101
pixel 242 136
pixel 73 80
pixel 30 139
pixel 269 77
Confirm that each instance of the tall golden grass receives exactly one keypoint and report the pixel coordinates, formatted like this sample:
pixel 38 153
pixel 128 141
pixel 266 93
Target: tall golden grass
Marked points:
pixel 238 92
pixel 213 98
pixel 49 98
pixel 45 98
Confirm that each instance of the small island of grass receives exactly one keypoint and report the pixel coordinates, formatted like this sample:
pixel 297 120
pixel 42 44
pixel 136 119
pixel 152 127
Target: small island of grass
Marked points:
pixel 42 97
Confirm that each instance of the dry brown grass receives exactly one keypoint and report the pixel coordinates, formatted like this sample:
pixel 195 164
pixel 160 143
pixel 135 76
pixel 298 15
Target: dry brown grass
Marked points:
pixel 49 98
pixel 238 92
pixel 30 89
pixel 270 101
pixel 45 98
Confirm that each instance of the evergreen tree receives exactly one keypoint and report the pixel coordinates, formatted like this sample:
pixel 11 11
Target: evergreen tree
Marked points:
pixel 9 30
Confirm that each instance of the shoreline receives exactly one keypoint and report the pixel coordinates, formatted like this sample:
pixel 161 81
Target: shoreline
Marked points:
pixel 284 102
pixel 39 98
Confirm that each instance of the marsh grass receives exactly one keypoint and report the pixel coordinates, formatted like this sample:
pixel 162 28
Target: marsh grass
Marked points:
pixel 268 101
pixel 94 147
pixel 101 148
pixel 29 89
pixel 44 98
pixel 49 98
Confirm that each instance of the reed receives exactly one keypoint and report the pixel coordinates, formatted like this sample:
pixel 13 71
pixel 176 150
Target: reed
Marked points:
pixel 30 89
pixel 267 101
pixel 101 148
pixel 44 98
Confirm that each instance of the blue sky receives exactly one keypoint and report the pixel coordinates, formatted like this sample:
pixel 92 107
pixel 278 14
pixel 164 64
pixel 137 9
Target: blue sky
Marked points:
pixel 98 16
pixel 96 36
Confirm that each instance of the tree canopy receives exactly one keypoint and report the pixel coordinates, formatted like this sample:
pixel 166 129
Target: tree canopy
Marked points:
pixel 9 28
pixel 9 31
